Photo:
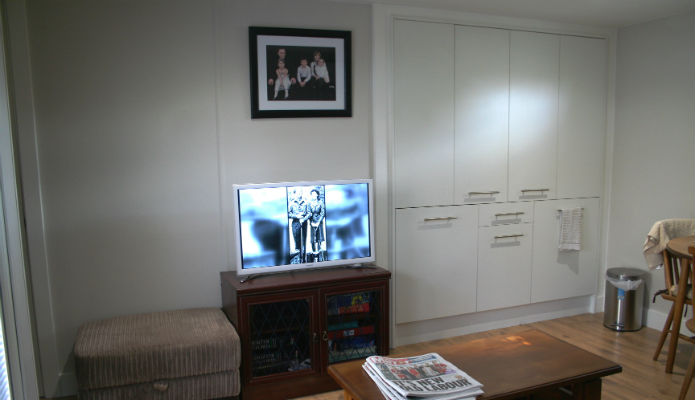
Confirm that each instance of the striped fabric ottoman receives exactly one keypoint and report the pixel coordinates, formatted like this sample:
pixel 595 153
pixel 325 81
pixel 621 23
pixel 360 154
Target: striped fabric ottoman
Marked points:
pixel 187 354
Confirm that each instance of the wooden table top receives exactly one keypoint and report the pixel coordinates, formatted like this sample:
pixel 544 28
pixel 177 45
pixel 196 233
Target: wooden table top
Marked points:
pixel 507 365
pixel 679 246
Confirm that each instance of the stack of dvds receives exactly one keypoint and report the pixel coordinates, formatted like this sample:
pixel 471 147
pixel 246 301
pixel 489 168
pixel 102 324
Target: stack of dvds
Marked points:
pixel 428 375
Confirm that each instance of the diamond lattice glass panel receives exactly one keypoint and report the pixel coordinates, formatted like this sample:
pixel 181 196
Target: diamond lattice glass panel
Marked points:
pixel 352 325
pixel 280 337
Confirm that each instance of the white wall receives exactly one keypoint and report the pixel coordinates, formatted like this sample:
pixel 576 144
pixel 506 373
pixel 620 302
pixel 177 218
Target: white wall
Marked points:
pixel 142 125
pixel 654 143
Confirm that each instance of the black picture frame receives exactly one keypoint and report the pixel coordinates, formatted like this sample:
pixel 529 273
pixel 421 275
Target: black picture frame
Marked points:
pixel 279 85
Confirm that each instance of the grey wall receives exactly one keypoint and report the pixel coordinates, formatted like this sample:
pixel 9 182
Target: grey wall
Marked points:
pixel 142 126
pixel 653 159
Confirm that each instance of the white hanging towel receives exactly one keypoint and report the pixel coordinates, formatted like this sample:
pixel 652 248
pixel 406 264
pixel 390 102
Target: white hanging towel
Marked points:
pixel 571 229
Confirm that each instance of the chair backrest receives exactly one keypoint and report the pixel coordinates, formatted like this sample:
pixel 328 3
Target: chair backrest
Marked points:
pixel 672 268
pixel 691 323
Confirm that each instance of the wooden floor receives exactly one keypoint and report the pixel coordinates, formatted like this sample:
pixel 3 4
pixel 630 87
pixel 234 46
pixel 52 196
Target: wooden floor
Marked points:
pixel 641 379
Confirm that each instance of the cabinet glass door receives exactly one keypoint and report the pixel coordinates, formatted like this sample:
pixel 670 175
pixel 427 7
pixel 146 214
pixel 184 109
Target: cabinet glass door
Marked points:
pixel 280 337
pixel 352 325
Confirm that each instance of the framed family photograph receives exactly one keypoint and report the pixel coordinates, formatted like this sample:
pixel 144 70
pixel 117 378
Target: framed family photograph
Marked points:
pixel 299 73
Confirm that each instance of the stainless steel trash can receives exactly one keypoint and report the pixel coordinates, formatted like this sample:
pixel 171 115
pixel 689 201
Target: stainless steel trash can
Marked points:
pixel 624 299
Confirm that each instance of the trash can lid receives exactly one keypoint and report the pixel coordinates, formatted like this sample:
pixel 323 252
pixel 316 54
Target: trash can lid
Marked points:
pixel 625 274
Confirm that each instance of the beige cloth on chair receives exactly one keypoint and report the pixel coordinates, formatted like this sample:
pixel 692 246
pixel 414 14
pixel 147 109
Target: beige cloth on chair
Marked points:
pixel 659 236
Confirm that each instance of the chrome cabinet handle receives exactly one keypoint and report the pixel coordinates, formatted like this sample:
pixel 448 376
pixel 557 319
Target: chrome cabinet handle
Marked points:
pixel 509 236
pixel 534 190
pixel 479 193
pixel 325 336
pixel 509 213
pixel 439 219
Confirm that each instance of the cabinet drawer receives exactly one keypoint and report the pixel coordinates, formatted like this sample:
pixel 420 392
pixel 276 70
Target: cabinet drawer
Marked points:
pixel 504 266
pixel 504 214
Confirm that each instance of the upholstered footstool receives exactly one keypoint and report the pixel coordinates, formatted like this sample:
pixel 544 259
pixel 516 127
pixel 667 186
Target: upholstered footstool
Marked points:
pixel 187 355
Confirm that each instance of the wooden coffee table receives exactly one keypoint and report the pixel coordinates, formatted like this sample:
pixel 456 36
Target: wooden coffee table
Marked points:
pixel 509 367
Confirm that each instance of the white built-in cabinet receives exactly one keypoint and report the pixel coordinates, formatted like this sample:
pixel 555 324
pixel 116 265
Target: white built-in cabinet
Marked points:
pixel 423 114
pixel 495 130
pixel 491 115
pixel 582 116
pixel 504 266
pixel 481 107
pixel 562 274
pixel 533 105
pixel 436 261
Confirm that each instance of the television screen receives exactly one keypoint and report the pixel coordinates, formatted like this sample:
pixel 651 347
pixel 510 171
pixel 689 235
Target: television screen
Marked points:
pixel 303 225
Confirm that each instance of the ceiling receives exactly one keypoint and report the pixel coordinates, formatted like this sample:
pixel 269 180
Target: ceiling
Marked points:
pixel 603 13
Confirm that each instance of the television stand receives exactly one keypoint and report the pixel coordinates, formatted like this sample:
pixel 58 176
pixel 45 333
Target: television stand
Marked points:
pixel 293 325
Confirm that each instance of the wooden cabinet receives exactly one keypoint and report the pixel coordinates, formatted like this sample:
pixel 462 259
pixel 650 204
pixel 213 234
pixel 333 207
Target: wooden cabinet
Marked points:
pixel 533 107
pixel 293 325
pixel 562 274
pixel 582 117
pixel 423 113
pixel 481 114
pixel 435 262
pixel 504 266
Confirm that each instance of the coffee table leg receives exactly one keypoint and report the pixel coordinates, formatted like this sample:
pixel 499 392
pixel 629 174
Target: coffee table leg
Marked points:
pixel 348 396
pixel 590 390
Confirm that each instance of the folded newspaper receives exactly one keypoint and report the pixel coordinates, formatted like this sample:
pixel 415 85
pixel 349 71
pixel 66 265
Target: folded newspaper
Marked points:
pixel 428 375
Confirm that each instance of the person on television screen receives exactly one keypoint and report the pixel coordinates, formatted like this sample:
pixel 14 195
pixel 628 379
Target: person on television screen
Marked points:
pixel 298 213
pixel 318 213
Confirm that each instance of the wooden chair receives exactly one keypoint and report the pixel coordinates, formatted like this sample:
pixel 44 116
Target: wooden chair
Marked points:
pixel 690 372
pixel 672 268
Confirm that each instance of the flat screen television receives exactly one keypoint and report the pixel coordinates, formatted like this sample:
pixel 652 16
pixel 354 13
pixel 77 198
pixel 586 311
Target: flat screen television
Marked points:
pixel 299 225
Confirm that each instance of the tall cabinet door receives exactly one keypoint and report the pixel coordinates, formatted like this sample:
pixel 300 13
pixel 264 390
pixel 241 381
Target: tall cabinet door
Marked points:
pixel 423 64
pixel 583 82
pixel 533 110
pixel 562 274
pixel 481 114
pixel 435 273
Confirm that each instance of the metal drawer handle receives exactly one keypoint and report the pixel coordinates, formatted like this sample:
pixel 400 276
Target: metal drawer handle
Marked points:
pixel 439 219
pixel 480 193
pixel 509 236
pixel 534 190
pixel 510 213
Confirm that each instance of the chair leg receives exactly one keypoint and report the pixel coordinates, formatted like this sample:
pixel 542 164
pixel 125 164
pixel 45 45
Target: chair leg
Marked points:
pixel 664 333
pixel 689 374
